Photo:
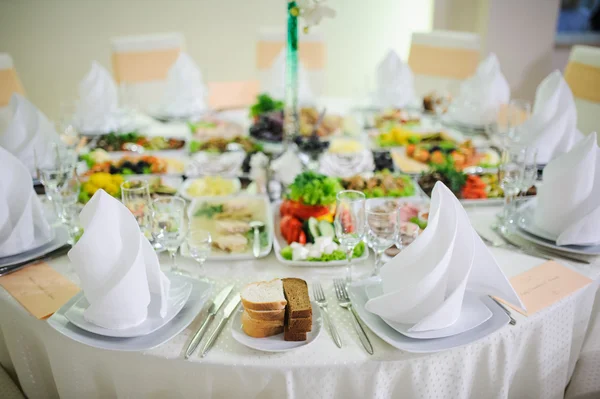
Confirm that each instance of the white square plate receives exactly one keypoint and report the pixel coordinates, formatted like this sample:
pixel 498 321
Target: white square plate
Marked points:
pixel 201 291
pixel 179 293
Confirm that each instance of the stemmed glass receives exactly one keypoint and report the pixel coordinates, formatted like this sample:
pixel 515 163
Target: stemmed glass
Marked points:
pixel 169 225
pixel 510 177
pixel 518 112
pixel 67 196
pixel 199 243
pixel 349 223
pixel 135 195
pixel 66 125
pixel 383 224
pixel 530 171
pixel 53 179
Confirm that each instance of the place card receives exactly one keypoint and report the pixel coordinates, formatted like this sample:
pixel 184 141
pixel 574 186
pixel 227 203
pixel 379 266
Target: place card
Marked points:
pixel 39 288
pixel 546 284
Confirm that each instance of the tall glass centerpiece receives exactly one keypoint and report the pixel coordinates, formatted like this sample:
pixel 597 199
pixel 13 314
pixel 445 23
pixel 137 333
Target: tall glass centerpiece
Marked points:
pixel 312 12
pixel 291 111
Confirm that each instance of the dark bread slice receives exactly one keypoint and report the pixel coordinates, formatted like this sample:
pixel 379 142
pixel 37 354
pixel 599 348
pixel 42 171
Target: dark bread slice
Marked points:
pixel 300 325
pixel 298 302
pixel 293 336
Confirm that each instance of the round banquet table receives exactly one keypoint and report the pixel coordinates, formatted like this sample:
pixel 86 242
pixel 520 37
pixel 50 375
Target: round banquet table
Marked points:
pixel 534 359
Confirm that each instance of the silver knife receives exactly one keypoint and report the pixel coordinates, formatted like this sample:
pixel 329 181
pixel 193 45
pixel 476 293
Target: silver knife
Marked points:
pixel 212 311
pixel 231 306
pixel 514 241
pixel 4 270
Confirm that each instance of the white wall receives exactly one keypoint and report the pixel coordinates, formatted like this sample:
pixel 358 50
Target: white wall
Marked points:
pixel 520 32
pixel 54 41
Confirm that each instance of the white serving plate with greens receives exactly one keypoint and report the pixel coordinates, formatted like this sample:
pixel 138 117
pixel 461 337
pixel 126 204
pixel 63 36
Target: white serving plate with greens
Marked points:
pixel 279 243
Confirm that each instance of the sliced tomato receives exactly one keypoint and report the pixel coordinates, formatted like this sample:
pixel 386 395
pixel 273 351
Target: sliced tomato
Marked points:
pixel 302 237
pixel 302 211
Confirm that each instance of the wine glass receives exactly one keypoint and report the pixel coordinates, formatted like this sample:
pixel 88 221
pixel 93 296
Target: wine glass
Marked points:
pixel 67 196
pixel 530 171
pixel 168 225
pixel 199 243
pixel 383 225
pixel 349 223
pixel 66 125
pixel 518 112
pixel 135 195
pixel 53 178
pixel 510 177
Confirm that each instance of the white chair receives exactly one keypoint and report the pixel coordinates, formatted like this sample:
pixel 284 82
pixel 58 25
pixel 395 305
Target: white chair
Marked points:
pixel 311 54
pixel 441 60
pixel 9 84
pixel 583 76
pixel 141 64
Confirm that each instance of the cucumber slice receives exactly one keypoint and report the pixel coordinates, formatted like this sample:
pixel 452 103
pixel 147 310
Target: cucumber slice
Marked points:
pixel 313 229
pixel 326 229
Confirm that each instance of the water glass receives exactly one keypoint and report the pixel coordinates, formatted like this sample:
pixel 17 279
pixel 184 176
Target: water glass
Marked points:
pixel 199 244
pixel 530 170
pixel 53 179
pixel 169 225
pixel 135 195
pixel 518 112
pixel 510 177
pixel 66 125
pixel 383 227
pixel 66 197
pixel 349 223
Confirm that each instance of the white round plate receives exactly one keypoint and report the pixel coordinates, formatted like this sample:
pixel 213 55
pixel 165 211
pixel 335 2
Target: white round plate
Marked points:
pixel 276 343
pixel 201 291
pixel 178 296
pixel 528 230
pixel 380 328
pixel 474 313
pixel 60 236
pixel 526 221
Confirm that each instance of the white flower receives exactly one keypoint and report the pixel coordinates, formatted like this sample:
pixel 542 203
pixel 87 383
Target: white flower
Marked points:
pixel 314 15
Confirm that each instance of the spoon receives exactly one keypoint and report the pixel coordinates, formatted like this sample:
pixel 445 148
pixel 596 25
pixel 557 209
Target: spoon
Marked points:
pixel 256 225
pixel 133 148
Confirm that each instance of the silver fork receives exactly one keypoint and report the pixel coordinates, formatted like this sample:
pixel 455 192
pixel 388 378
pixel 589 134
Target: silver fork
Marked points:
pixel 344 301
pixel 320 299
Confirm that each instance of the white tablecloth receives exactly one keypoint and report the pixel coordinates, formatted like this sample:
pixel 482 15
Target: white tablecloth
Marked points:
pixel 534 359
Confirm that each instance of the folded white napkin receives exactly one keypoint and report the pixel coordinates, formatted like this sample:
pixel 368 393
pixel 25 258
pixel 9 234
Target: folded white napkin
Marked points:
pixel 424 284
pixel 481 95
pixel 117 266
pixel 395 82
pixel 343 166
pixel 186 93
pixel 552 127
pixel 98 106
pixel 22 222
pixel 30 135
pixel 286 167
pixel 275 86
pixel 568 203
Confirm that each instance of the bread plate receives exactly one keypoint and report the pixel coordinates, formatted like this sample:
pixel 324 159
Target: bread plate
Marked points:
pixel 276 343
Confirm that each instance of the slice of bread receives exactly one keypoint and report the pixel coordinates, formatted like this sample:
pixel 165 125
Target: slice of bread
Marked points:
pixel 267 315
pixel 247 320
pixel 260 328
pixel 303 324
pixel 264 295
pixel 261 332
pixel 293 336
pixel 298 301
